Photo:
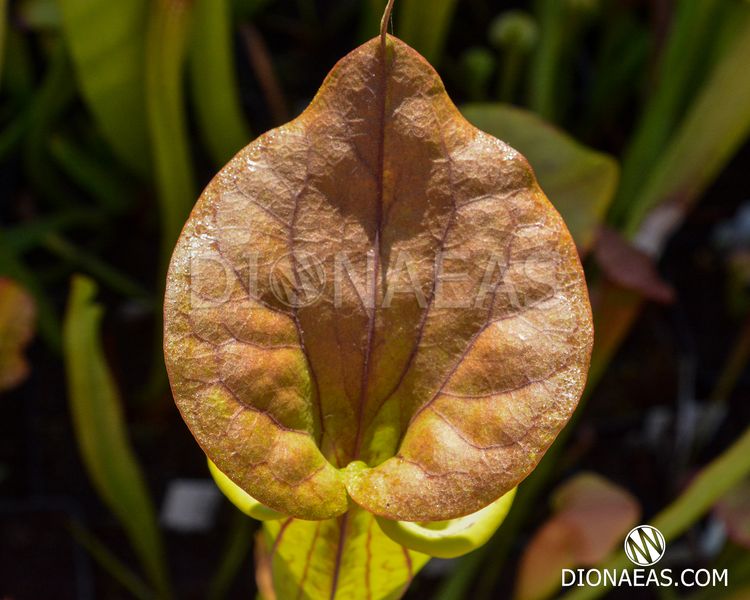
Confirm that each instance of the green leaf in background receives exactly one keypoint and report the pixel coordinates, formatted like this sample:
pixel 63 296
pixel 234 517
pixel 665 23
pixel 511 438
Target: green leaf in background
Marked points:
pixel 425 25
pixel 692 31
pixel 17 69
pixel 477 66
pixel 101 432
pixel 514 34
pixel 560 27
pixel 110 68
pixel 104 557
pixel 26 236
pixel 168 34
pixel 578 181
pixel 714 128
pixel 235 556
pixel 104 180
pixel 348 557
pixel 372 12
pixel 214 85
pixel 93 264
pixel 624 47
pixel 46 110
pixel 40 15
pixel 543 75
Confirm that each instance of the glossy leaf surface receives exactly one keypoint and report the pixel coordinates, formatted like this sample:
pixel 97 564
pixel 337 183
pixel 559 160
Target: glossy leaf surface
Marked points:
pixel 376 301
pixel 579 181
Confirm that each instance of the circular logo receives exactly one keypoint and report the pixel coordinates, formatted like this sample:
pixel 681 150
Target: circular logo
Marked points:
pixel 645 545
pixel 297 279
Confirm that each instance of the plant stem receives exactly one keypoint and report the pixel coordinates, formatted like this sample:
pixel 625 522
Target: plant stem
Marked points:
pixel 384 22
pixel 262 64
pixel 510 74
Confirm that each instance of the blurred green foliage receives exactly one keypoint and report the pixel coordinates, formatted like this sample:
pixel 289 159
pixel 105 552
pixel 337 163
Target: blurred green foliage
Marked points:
pixel 110 68
pixel 102 433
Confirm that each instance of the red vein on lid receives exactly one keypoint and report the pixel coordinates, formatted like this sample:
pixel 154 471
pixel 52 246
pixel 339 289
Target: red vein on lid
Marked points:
pixel 428 308
pixel 280 535
pixel 383 89
pixel 295 309
pixel 343 526
pixel 307 561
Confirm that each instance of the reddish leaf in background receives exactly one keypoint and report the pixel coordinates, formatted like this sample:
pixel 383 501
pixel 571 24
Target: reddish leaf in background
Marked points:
pixel 376 301
pixel 592 515
pixel 734 511
pixel 629 267
pixel 17 323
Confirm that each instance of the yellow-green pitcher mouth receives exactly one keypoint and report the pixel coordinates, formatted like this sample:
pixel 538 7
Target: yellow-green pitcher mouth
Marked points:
pixel 441 539
pixel 240 498
pixel 452 538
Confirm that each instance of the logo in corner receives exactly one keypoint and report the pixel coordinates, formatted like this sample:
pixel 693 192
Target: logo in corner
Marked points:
pixel 645 545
